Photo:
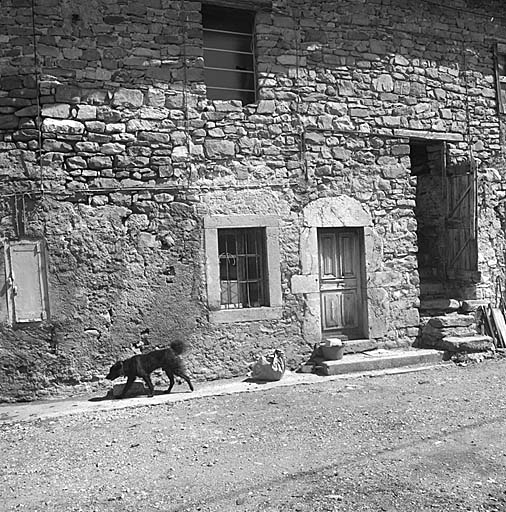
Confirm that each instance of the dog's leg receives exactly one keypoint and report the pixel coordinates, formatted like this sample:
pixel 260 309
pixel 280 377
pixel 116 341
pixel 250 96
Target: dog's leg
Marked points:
pixel 185 377
pixel 170 375
pixel 127 386
pixel 147 380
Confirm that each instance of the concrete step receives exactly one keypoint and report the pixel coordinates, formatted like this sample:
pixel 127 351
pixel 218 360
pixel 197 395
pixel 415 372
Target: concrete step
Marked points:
pixel 379 360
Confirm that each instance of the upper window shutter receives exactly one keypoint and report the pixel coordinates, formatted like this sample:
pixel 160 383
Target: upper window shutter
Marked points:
pixel 26 275
pixel 500 72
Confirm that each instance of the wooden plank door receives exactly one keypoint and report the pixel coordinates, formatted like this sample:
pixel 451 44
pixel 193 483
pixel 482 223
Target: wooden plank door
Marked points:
pixel 461 243
pixel 341 270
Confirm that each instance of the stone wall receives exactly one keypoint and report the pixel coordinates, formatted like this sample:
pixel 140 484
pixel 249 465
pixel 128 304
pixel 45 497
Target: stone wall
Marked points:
pixel 109 139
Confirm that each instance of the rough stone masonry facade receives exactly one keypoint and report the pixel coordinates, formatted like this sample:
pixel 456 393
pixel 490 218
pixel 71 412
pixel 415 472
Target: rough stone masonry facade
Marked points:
pixel 111 154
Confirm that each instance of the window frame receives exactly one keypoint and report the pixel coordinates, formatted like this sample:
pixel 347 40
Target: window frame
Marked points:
pixel 15 312
pixel 243 246
pixel 243 93
pixel 273 271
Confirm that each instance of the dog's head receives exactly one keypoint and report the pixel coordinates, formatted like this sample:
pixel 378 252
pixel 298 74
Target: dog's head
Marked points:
pixel 115 371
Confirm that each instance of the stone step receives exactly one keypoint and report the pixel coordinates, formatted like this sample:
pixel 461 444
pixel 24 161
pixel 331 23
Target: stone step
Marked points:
pixel 379 360
pixel 477 343
pixel 439 305
pixel 356 346
pixel 430 334
pixel 452 320
pixel 471 306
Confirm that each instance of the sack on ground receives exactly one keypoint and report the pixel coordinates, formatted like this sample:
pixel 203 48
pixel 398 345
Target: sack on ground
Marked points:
pixel 269 367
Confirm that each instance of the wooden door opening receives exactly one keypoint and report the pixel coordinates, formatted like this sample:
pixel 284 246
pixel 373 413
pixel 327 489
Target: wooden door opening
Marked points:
pixel 446 221
pixel 342 278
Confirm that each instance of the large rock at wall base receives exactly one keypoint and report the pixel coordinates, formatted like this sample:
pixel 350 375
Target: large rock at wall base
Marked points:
pixel 137 388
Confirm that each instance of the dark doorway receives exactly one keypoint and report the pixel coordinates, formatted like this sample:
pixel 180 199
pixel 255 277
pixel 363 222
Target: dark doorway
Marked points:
pixel 427 163
pixel 445 211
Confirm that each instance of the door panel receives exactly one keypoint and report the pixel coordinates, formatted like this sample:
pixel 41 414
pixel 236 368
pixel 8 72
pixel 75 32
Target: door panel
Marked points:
pixel 328 263
pixel 348 250
pixel 340 282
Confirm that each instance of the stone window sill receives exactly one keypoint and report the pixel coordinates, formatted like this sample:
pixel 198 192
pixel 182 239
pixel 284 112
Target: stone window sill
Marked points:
pixel 245 315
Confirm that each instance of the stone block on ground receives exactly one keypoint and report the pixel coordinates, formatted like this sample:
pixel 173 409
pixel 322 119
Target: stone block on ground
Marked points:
pixel 476 343
pixel 137 388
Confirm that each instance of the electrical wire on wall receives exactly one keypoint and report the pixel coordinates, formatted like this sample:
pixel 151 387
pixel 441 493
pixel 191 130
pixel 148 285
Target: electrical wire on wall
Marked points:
pixel 298 99
pixel 186 121
pixel 38 122
pixel 184 25
pixel 14 203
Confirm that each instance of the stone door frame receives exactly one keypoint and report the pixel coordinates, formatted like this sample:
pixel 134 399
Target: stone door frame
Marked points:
pixel 330 212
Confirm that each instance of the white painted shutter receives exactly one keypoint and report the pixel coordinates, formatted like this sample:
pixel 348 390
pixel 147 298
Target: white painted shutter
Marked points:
pixel 27 281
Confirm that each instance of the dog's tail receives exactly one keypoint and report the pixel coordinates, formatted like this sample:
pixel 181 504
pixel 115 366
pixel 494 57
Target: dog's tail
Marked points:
pixel 178 346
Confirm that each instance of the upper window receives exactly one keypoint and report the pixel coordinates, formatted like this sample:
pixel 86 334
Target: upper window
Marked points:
pixel 501 76
pixel 229 60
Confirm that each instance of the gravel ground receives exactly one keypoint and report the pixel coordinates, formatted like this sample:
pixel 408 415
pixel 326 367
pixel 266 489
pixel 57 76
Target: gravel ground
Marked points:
pixel 431 440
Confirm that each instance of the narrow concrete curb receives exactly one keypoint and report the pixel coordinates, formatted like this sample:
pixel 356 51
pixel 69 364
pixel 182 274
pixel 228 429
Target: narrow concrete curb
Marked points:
pixel 13 413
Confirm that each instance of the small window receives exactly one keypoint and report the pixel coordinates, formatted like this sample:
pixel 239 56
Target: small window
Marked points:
pixel 229 60
pixel 242 268
pixel 501 76
pixel 26 281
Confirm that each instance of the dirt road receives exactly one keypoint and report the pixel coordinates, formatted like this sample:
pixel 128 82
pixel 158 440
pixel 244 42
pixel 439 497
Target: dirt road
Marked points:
pixel 432 440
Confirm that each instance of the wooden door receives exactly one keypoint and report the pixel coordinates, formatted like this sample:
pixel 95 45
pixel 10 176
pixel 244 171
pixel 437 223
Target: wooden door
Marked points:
pixel 341 270
pixel 461 241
